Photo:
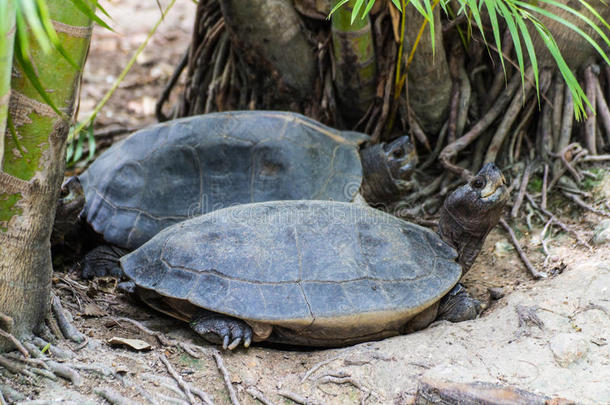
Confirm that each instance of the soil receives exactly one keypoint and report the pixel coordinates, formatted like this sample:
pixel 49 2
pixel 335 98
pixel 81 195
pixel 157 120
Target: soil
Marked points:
pixel 548 336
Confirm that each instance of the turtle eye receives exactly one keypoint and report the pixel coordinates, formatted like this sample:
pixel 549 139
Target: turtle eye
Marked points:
pixel 478 183
pixel 397 153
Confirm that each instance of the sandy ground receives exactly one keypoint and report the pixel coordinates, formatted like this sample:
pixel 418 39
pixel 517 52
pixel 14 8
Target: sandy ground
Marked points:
pixel 559 351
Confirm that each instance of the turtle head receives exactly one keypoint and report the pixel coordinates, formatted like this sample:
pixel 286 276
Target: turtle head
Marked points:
pixel 387 170
pixel 400 157
pixel 471 211
pixel 69 206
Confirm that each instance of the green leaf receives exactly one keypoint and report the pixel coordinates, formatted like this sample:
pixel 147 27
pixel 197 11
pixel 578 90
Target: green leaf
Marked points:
pixel 91 142
pixel 491 10
pixel 567 24
pixel 356 9
pixel 45 19
pixel 368 8
pixel 45 348
pixel 339 4
pixel 581 16
pixel 529 44
pixel 27 8
pixel 78 151
pixel 22 57
pixel 397 5
pixel 86 10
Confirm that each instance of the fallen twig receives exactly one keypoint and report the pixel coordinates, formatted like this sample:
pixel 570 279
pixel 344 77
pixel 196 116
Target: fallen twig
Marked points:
pixel 256 394
pixel 225 376
pixel 295 397
pixel 535 273
pixel 181 383
pixel 164 340
pixel 584 205
pixel 317 366
pixel 519 200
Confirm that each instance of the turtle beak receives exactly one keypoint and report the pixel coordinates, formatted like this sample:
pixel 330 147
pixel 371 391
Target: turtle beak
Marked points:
pixel 495 185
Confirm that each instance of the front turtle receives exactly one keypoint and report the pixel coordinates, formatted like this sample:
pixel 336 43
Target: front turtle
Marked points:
pixel 317 273
pixel 173 171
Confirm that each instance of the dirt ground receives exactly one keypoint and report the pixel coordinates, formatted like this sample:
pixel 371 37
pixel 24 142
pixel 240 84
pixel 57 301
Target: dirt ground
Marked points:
pixel 548 336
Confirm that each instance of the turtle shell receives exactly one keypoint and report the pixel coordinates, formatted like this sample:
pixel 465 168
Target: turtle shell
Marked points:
pixel 319 270
pixel 169 172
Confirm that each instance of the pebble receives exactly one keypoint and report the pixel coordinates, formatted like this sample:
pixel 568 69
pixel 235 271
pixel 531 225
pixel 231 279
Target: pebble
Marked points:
pixel 496 292
pixel 601 234
pixel 568 347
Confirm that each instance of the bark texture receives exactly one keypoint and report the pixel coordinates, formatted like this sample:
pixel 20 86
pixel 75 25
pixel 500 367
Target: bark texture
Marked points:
pixel 429 81
pixel 32 171
pixel 269 36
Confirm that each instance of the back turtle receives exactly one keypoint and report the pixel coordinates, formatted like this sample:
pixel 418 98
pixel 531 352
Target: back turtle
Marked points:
pixel 317 273
pixel 180 169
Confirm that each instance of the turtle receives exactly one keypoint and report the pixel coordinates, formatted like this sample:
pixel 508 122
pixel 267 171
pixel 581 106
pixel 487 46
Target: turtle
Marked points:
pixel 317 273
pixel 169 172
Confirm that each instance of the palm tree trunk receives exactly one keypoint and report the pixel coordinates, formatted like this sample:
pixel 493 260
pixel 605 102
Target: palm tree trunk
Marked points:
pixel 355 60
pixel 32 171
pixel 429 81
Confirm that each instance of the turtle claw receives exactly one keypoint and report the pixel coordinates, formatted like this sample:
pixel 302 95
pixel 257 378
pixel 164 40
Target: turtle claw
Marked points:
pixel 234 344
pixel 229 332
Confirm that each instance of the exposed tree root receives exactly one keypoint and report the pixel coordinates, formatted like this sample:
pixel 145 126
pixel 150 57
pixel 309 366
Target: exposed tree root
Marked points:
pixel 112 396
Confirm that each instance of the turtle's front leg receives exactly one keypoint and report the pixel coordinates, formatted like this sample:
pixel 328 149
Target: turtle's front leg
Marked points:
pixel 221 329
pixel 458 306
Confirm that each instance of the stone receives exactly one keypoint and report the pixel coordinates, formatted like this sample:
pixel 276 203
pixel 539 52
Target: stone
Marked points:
pixel 568 348
pixel 601 234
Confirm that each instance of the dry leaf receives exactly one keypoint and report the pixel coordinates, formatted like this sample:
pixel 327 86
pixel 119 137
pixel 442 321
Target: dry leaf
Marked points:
pixel 135 344
pixel 92 309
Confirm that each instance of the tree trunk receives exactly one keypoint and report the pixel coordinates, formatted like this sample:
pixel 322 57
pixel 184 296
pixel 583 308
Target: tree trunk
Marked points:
pixel 356 73
pixel 268 35
pixel 32 171
pixel 429 82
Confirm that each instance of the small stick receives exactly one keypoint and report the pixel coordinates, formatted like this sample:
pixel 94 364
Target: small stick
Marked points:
pixel 181 383
pixel 295 397
pixel 256 394
pixel 586 206
pixel 2 400
pixel 545 178
pixel 66 327
pixel 15 341
pixel 465 97
pixel 320 364
pixel 510 115
pixel 454 148
pixel 170 85
pixel 596 158
pixel 437 148
pixel 543 240
pixel 602 108
pixel 112 396
pixel 519 200
pixel 165 341
pixel 205 397
pixel 535 273
pixel 225 375
pixel 590 123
